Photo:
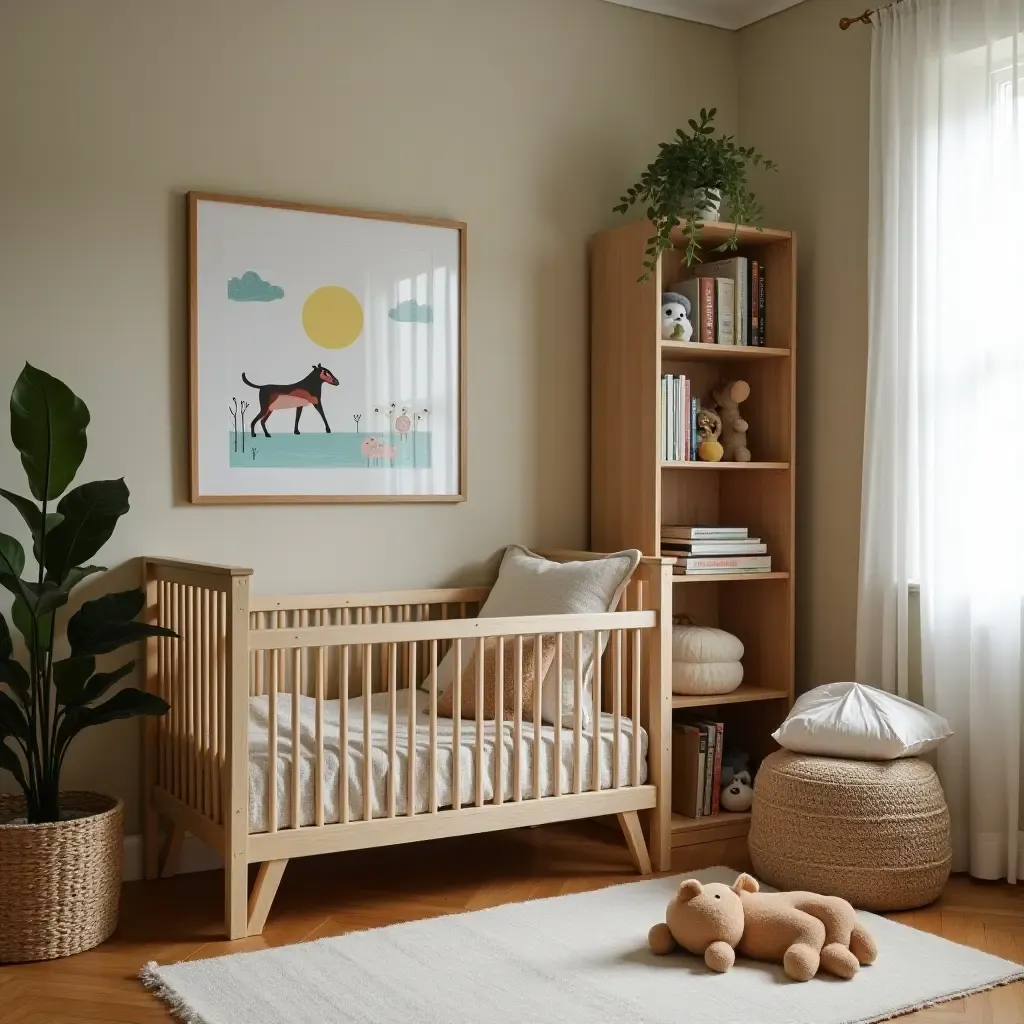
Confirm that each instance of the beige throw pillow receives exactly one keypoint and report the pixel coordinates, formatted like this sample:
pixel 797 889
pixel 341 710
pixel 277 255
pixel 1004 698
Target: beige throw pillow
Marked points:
pixel 529 584
pixel 468 697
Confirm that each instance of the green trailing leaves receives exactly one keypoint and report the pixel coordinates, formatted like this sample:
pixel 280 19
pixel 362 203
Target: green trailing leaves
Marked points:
pixel 48 422
pixel 90 513
pixel 674 188
pixel 107 623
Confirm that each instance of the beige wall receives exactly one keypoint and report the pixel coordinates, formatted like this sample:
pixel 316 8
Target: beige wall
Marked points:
pixel 804 89
pixel 525 118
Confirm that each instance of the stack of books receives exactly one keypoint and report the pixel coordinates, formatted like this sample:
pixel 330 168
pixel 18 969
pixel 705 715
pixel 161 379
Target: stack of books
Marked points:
pixel 696 766
pixel 728 300
pixel 714 550
pixel 679 408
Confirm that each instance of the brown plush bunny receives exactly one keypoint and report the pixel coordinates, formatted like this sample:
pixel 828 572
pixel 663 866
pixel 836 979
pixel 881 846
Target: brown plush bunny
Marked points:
pixel 802 930
pixel 734 428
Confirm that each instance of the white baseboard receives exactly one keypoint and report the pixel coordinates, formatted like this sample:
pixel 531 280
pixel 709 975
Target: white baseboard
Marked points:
pixel 195 856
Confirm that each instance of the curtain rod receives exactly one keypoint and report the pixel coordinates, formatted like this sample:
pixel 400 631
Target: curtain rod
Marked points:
pixel 865 18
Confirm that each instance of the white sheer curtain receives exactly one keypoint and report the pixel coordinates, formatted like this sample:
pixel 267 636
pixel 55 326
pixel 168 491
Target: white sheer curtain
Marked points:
pixel 943 489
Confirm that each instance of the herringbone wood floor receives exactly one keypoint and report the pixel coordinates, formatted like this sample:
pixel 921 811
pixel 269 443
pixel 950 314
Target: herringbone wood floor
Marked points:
pixel 179 918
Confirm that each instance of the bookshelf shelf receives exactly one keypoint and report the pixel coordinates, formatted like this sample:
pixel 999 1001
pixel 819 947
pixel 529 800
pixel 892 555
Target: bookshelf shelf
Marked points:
pixel 743 693
pixel 693 350
pixel 731 577
pixel 681 823
pixel 635 493
pixel 724 466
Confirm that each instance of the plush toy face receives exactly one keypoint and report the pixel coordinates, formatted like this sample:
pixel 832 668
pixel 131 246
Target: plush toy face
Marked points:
pixel 738 794
pixel 704 914
pixel 675 317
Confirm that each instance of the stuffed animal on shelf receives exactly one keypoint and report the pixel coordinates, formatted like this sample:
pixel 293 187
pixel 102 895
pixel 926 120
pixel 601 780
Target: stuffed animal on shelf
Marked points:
pixel 734 428
pixel 675 317
pixel 738 793
pixel 801 930
pixel 709 427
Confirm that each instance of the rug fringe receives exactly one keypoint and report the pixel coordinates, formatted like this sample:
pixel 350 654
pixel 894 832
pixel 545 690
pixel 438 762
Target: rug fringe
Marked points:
pixel 939 1000
pixel 178 1007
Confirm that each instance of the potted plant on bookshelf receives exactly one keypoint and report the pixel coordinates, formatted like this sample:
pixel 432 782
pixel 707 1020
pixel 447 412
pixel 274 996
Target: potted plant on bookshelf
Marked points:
pixel 60 852
pixel 686 183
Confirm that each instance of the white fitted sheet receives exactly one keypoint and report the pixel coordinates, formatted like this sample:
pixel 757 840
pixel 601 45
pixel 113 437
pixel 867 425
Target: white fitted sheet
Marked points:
pixel 259 758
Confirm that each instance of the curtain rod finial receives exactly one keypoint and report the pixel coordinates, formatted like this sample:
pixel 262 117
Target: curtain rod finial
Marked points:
pixel 865 18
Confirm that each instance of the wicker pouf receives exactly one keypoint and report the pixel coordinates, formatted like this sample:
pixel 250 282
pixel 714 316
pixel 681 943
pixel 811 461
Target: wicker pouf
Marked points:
pixel 874 832
pixel 60 884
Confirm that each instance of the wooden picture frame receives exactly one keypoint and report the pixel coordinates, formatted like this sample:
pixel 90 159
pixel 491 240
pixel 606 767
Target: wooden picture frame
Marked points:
pixel 274 285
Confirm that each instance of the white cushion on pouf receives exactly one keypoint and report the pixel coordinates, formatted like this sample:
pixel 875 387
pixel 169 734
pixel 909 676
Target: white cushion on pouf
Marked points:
pixel 709 677
pixel 861 722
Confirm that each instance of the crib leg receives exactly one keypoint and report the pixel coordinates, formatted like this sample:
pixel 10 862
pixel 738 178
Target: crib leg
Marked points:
pixel 629 821
pixel 170 862
pixel 263 893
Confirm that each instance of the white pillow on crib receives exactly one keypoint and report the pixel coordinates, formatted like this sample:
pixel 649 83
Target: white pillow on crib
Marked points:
pixel 529 584
pixel 861 723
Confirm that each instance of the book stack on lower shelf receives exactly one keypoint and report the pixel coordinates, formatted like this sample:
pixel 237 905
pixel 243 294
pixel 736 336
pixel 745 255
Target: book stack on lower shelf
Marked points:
pixel 697 767
pixel 714 550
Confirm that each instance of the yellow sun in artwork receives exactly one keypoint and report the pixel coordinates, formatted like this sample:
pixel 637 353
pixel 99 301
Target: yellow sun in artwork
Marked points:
pixel 332 317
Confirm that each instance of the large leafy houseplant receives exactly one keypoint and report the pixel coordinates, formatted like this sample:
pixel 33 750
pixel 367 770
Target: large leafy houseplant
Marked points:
pixel 677 187
pixel 45 704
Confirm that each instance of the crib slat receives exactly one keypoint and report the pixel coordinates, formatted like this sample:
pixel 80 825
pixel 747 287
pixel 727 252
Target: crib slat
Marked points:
pixel 276 659
pixel 410 736
pixel 479 754
pixel 499 723
pixel 517 725
pixel 296 766
pixel 217 681
pixel 538 736
pixel 595 683
pixel 203 611
pixel 616 707
pixel 163 671
pixel 318 784
pixel 559 666
pixel 577 715
pixel 343 730
pixel 174 776
pixel 392 726
pixel 222 690
pixel 457 728
pixel 367 735
pixel 433 726
pixel 635 773
pixel 191 685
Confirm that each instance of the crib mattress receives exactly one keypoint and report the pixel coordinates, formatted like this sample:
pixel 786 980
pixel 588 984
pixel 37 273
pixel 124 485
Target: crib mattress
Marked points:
pixel 259 759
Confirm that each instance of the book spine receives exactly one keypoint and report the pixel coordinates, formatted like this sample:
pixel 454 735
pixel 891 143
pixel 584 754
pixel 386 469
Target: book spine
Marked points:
pixel 673 404
pixel 684 416
pixel 716 785
pixel 725 310
pixel 742 302
pixel 755 323
pixel 702 758
pixel 707 310
pixel 694 436
pixel 762 316
pixel 729 562
pixel 709 770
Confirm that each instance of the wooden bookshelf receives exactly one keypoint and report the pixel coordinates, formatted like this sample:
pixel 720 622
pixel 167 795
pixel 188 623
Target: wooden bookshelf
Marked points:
pixel 634 493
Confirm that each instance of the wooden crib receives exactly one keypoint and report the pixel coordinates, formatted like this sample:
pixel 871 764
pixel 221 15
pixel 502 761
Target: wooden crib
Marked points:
pixel 251 760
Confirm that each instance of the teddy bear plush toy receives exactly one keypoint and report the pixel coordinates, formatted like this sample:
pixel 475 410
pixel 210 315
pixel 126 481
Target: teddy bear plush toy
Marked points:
pixel 801 930
pixel 734 428
pixel 675 317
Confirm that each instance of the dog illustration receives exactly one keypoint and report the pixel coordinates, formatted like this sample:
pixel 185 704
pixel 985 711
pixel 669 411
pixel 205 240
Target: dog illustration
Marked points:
pixel 292 396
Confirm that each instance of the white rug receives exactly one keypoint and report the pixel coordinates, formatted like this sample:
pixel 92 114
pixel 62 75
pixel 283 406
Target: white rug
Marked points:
pixel 580 959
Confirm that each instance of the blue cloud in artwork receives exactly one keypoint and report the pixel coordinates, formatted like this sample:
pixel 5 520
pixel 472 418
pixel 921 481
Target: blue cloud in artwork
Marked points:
pixel 410 311
pixel 250 287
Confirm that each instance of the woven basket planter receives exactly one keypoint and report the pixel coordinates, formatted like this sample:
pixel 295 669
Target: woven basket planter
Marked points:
pixel 874 832
pixel 60 883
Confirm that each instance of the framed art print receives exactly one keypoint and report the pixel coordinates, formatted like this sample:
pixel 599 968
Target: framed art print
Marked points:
pixel 327 354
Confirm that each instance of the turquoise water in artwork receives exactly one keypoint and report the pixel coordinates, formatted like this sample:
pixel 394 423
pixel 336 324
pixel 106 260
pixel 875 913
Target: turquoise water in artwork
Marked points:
pixel 331 451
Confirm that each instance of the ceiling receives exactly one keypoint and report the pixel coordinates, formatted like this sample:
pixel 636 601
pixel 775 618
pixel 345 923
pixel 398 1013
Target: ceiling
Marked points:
pixel 723 13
